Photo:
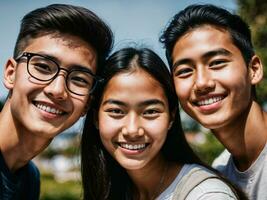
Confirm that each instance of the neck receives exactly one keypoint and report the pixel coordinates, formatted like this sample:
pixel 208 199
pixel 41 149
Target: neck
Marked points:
pixel 152 180
pixel 18 146
pixel 245 137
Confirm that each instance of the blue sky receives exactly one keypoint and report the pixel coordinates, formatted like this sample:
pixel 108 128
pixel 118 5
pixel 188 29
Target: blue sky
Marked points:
pixel 133 22
pixel 138 21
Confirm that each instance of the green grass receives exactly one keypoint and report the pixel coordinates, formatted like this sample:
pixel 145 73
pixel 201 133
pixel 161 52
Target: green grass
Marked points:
pixel 52 190
pixel 209 150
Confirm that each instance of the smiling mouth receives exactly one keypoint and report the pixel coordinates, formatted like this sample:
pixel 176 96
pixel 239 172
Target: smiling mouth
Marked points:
pixel 48 108
pixel 209 101
pixel 133 146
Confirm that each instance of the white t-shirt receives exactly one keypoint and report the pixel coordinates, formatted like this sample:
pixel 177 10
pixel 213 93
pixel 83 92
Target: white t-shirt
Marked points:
pixel 253 181
pixel 209 189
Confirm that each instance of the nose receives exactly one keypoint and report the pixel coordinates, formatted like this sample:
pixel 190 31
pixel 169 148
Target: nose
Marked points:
pixel 132 127
pixel 57 88
pixel 204 82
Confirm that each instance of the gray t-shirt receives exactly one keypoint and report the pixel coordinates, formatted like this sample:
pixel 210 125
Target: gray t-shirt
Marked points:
pixel 209 189
pixel 253 181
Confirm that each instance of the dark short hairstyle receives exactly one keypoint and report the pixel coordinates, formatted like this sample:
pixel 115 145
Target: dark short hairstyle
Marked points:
pixel 197 15
pixel 66 19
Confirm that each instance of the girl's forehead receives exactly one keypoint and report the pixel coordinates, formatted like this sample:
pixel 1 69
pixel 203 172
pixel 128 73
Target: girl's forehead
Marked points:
pixel 134 84
pixel 134 78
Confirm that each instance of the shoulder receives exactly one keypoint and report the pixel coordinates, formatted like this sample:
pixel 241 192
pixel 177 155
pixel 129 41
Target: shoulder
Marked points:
pixel 222 160
pixel 31 176
pixel 31 179
pixel 199 182
pixel 33 170
pixel 212 188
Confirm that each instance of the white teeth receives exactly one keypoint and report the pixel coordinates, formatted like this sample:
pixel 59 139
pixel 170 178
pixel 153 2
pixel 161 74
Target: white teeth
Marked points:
pixel 133 146
pixel 209 101
pixel 48 109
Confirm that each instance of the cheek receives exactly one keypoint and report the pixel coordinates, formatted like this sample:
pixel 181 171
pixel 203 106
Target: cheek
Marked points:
pixel 237 83
pixel 108 127
pixel 158 129
pixel 24 92
pixel 159 137
pixel 240 88
pixel 235 76
pixel 108 130
pixel 240 82
pixel 79 106
pixel 183 89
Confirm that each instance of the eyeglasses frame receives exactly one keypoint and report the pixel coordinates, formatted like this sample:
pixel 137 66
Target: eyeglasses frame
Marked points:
pixel 29 55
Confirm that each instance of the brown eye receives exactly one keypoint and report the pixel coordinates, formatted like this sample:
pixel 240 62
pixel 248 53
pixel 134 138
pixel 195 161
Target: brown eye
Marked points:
pixel 151 113
pixel 183 72
pixel 217 63
pixel 115 112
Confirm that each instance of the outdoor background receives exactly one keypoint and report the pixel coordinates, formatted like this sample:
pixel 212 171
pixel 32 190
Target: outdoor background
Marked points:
pixel 136 22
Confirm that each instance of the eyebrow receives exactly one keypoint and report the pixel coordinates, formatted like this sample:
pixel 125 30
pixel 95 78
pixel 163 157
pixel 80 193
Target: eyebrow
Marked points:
pixel 144 103
pixel 113 101
pixel 220 51
pixel 181 62
pixel 152 102
pixel 72 67
pixel 209 54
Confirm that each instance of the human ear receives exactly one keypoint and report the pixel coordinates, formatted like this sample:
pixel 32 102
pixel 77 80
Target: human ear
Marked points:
pixel 10 73
pixel 255 70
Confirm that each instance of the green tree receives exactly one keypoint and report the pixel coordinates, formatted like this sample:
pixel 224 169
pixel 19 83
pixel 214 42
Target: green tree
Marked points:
pixel 208 150
pixel 254 13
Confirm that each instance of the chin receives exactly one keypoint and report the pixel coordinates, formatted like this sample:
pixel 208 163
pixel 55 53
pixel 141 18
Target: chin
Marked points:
pixel 133 166
pixel 211 125
pixel 47 132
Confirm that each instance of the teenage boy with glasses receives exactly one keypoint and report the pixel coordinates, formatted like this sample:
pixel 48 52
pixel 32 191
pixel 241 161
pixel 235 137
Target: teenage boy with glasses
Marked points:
pixel 215 71
pixel 50 79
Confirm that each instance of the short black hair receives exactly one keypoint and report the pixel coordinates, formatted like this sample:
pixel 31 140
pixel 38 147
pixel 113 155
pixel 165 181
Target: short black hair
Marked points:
pixel 197 15
pixel 66 19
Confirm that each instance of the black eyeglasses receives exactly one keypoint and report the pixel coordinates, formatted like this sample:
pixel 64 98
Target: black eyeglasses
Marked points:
pixel 79 81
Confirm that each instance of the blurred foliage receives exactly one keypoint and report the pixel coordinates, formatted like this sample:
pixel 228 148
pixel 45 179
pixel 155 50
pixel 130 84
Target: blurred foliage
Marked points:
pixel 53 190
pixel 208 150
pixel 72 150
pixel 190 125
pixel 68 152
pixel 254 13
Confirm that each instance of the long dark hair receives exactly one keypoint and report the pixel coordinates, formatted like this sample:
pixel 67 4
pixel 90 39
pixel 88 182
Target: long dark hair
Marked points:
pixel 102 176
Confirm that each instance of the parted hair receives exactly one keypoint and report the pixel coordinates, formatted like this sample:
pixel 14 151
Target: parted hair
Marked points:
pixel 66 19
